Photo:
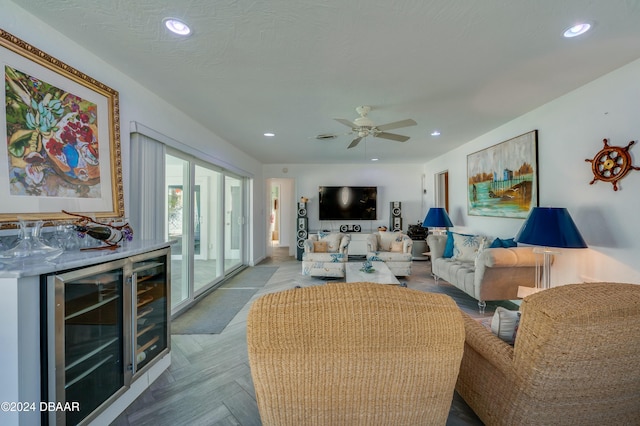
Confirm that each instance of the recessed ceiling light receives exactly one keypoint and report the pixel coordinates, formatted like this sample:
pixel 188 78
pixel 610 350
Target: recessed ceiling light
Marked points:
pixel 374 159
pixel 576 30
pixel 435 133
pixel 269 134
pixel 176 26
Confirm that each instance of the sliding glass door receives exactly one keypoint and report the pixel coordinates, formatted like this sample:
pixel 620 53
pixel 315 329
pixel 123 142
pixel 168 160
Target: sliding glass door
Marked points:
pixel 233 222
pixel 178 228
pixel 205 219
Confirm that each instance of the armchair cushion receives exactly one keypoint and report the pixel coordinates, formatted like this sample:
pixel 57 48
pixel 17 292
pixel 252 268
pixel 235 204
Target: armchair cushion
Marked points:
pixel 332 240
pixel 396 246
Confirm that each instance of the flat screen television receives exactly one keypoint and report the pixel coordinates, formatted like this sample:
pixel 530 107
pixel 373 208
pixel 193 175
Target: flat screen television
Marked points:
pixel 348 202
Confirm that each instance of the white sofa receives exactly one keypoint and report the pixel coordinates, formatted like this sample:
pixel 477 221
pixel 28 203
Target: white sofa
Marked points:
pixel 486 275
pixel 392 248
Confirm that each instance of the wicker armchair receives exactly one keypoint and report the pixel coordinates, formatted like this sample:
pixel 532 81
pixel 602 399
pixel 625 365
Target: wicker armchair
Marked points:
pixel 575 361
pixel 354 354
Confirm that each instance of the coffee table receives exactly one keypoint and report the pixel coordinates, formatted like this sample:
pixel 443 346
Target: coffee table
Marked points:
pixel 380 275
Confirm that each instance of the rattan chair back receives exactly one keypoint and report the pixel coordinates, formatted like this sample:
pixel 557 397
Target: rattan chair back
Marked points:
pixel 354 354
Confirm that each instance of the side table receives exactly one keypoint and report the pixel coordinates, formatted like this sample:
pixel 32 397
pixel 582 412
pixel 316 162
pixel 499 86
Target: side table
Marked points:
pixel 419 247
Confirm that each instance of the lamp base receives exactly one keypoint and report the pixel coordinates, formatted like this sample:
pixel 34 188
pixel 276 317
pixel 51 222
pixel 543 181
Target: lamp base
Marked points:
pixel 543 281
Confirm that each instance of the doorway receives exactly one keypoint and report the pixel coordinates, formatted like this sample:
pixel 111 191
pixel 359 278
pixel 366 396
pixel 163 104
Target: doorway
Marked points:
pixel 442 190
pixel 281 208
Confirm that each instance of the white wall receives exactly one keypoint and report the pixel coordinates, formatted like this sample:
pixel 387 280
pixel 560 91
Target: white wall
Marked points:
pixel 395 182
pixel 570 130
pixel 140 105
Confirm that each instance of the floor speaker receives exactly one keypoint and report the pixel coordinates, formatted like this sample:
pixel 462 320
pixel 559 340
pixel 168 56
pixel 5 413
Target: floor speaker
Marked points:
pixel 302 229
pixel 395 216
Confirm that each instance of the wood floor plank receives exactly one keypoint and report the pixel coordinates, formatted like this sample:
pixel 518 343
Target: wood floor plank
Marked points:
pixel 244 408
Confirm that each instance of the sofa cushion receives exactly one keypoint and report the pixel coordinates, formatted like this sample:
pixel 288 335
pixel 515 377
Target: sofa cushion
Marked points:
pixel 505 323
pixel 465 247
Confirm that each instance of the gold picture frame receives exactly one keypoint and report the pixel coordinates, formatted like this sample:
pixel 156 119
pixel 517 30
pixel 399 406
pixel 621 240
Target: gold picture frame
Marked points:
pixel 60 126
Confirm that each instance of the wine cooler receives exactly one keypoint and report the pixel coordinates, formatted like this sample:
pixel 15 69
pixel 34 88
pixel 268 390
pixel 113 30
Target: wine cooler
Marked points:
pixel 105 325
pixel 150 309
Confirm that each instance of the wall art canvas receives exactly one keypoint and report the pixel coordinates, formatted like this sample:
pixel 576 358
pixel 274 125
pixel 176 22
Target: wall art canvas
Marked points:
pixel 62 138
pixel 503 179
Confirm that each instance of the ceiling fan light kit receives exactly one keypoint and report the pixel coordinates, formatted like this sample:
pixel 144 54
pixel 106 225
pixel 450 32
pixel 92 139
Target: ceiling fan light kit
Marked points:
pixel 363 126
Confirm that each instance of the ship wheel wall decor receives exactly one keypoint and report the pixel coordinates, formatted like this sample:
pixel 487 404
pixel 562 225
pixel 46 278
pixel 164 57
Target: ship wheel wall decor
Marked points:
pixel 611 164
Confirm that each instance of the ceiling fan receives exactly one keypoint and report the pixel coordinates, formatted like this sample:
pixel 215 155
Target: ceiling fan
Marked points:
pixel 363 127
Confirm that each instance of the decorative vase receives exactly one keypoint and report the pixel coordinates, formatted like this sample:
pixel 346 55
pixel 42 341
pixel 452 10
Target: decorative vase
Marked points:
pixel 30 247
pixel 367 266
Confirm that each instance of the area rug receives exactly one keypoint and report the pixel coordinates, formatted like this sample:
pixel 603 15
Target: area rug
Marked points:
pixel 212 314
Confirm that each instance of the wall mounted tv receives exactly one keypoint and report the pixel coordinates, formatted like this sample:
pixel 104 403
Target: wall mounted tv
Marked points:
pixel 348 202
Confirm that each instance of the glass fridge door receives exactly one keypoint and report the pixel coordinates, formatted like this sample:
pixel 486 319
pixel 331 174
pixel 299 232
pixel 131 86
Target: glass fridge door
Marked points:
pixel 89 338
pixel 150 307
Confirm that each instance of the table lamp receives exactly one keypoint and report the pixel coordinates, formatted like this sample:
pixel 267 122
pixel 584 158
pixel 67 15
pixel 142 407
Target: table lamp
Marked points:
pixel 437 217
pixel 549 227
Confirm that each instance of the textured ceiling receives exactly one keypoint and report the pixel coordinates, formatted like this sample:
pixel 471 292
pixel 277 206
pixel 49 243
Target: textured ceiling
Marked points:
pixel 291 66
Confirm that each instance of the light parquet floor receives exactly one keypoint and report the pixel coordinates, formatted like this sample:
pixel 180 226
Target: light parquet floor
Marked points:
pixel 209 382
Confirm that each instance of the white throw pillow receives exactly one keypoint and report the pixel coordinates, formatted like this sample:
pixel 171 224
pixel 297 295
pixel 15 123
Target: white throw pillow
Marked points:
pixel 465 247
pixel 504 324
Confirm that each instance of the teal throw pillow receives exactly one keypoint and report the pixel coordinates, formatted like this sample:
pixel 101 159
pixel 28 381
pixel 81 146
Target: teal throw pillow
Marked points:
pixel 510 242
pixel 497 243
pixel 448 248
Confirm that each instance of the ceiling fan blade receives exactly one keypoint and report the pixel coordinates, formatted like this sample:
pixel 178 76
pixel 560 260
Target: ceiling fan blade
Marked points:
pixel 346 122
pixel 392 136
pixel 354 142
pixel 397 124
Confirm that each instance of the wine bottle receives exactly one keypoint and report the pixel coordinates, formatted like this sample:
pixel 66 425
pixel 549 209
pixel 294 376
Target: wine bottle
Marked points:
pixel 102 233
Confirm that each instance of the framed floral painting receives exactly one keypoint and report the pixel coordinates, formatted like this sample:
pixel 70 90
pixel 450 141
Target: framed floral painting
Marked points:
pixel 503 179
pixel 62 132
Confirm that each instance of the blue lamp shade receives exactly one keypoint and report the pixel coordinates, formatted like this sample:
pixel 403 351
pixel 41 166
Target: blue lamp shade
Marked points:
pixel 437 217
pixel 550 227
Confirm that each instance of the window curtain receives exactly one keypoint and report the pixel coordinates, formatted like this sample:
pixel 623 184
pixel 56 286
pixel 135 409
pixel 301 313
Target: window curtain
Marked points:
pixel 146 201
